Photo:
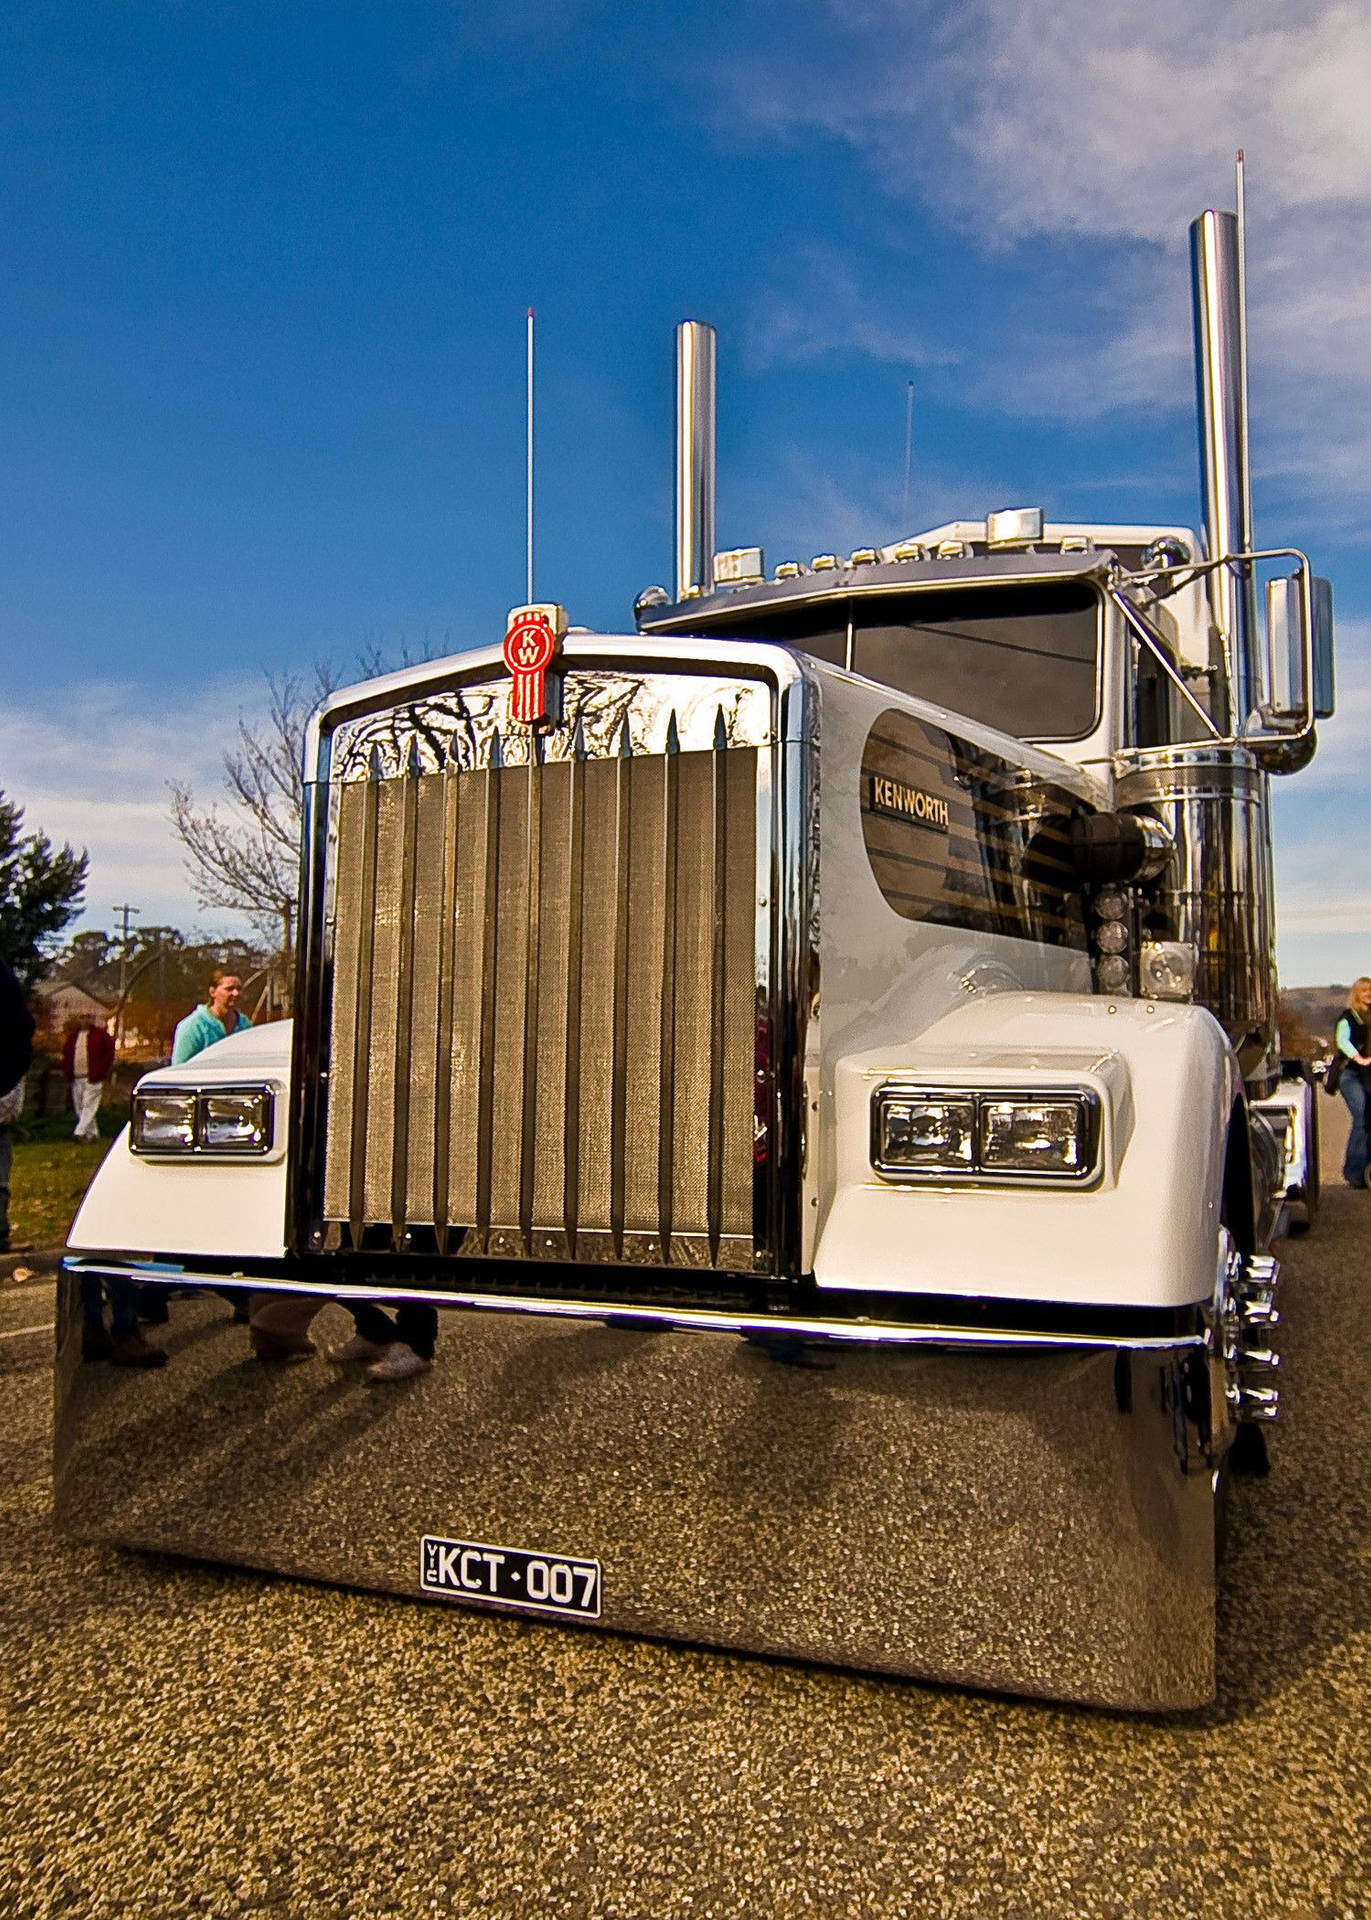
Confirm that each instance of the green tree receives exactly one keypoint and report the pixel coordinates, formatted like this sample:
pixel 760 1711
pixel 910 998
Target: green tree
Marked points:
pixel 41 891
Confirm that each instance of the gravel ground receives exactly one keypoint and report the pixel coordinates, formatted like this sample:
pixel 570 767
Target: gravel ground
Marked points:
pixel 185 1741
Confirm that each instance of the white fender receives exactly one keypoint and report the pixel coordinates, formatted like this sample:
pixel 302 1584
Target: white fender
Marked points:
pixel 234 1208
pixel 1144 1235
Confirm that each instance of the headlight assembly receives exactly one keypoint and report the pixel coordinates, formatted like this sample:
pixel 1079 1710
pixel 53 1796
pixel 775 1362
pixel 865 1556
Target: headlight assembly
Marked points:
pixel 163 1122
pixel 985 1134
pixel 205 1120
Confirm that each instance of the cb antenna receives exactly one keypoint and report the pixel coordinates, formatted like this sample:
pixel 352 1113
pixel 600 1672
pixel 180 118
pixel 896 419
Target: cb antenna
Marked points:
pixel 528 491
pixel 908 455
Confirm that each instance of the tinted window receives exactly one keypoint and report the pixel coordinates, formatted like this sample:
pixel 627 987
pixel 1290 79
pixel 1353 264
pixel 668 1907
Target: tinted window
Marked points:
pixel 1022 659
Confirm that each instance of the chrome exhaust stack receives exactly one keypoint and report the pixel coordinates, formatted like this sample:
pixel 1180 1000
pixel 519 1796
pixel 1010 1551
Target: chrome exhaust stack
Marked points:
pixel 694 459
pixel 1216 268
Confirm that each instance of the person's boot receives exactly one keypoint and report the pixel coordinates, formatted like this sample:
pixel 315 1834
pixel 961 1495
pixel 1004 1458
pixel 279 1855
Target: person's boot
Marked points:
pixel 279 1346
pixel 95 1341
pixel 133 1351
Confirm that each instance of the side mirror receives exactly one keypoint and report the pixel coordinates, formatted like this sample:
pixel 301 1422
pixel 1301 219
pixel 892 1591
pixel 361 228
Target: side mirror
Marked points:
pixel 1288 650
pixel 1321 592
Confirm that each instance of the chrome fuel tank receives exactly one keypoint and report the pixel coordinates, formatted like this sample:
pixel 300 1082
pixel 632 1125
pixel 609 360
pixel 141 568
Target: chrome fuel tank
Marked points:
pixel 1217 892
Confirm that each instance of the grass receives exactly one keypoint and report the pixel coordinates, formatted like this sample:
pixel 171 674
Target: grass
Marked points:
pixel 51 1172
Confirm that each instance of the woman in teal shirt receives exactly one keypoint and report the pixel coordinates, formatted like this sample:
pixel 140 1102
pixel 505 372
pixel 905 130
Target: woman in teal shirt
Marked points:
pixel 1351 1037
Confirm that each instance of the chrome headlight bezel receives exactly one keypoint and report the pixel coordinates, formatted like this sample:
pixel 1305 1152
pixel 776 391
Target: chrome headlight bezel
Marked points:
pixel 976 1167
pixel 205 1137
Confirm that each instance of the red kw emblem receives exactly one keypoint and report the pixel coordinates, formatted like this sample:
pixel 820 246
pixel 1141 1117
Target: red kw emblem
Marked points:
pixel 530 649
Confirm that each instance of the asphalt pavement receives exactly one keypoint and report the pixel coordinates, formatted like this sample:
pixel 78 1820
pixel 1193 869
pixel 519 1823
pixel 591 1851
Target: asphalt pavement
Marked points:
pixel 181 1740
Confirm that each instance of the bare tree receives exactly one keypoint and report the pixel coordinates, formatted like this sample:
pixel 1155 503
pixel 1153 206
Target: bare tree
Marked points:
pixel 246 858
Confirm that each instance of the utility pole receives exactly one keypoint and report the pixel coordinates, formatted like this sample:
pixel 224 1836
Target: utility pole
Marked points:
pixel 128 913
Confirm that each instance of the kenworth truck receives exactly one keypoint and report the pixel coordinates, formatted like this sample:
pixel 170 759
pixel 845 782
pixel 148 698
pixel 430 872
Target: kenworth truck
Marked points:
pixel 816 1057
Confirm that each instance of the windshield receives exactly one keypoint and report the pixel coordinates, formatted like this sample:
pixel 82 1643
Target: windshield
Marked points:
pixel 1023 659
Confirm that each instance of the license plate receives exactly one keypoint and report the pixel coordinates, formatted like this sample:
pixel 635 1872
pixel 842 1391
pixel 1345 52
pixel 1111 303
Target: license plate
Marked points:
pixel 510 1577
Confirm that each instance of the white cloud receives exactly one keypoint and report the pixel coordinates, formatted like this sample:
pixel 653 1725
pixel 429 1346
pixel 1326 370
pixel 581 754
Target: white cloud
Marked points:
pixel 1096 120
pixel 1323 889
pixel 828 308
pixel 93 769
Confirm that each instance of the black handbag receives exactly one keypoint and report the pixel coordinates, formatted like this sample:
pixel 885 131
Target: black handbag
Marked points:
pixel 1334 1073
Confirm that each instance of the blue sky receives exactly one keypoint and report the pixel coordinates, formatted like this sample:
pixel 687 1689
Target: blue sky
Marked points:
pixel 261 334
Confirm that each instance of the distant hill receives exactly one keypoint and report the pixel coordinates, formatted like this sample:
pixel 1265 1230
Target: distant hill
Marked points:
pixel 1317 1007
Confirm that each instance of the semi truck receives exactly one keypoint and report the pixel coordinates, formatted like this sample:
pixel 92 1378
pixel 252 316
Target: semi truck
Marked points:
pixel 814 1060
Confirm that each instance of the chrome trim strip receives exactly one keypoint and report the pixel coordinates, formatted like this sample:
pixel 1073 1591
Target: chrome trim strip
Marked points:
pixel 775 1326
pixel 734 660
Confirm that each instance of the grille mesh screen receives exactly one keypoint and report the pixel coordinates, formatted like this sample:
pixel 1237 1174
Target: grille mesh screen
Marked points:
pixel 543 1009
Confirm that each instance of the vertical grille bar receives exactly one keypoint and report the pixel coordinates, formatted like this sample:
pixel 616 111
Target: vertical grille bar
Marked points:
pixel 485 1098
pixel 692 1010
pixel 719 845
pixel 546 1060
pixel 469 936
pixel 533 881
pixel 404 1005
pixel 426 1085
pixel 623 824
pixel 571 1123
pixel 739 1040
pixel 366 927
pixel 666 1107
pixel 595 1058
pixel 442 1038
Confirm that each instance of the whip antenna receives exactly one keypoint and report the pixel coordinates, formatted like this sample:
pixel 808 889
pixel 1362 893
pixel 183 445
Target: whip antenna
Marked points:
pixel 528 499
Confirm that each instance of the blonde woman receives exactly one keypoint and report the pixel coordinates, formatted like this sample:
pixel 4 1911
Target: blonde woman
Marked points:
pixel 1352 1039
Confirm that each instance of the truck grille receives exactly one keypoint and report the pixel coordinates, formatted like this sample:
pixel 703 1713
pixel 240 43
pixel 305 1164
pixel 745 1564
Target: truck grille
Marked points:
pixel 543 1014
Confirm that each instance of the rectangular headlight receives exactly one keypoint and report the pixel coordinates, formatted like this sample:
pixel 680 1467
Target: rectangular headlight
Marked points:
pixel 924 1131
pixel 163 1122
pixel 202 1120
pixel 237 1120
pixel 1035 1136
pixel 985 1133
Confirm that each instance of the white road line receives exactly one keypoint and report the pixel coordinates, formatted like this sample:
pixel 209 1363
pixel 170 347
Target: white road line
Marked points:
pixel 15 1333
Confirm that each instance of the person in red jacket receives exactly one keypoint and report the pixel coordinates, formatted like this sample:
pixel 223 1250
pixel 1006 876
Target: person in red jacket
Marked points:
pixel 87 1057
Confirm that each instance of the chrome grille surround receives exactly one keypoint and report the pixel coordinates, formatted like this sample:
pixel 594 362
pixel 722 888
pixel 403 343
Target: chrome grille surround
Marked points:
pixel 551 986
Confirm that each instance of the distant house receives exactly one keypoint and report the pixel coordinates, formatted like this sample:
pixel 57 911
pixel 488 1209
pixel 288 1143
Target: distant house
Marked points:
pixel 58 1002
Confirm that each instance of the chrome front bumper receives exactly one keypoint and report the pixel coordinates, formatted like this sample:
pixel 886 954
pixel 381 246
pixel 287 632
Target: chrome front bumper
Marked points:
pixel 1030 1518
